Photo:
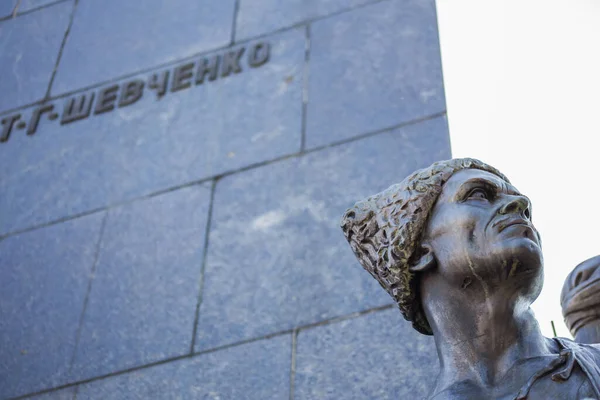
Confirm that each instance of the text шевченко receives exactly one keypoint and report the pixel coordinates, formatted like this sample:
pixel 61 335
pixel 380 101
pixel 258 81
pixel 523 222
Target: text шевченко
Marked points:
pixel 104 100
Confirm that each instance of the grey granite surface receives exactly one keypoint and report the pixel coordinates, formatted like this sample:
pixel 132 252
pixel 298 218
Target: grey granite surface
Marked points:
pixel 257 370
pixel 64 394
pixel 373 68
pixel 154 144
pixel 110 38
pixel 376 356
pixel 180 238
pixel 29 47
pixel 255 18
pixel 277 258
pixel 7 7
pixel 45 275
pixel 28 5
pixel 143 298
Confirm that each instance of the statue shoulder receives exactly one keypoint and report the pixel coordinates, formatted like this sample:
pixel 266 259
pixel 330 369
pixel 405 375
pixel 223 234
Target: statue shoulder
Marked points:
pixel 593 348
pixel 587 357
pixel 588 349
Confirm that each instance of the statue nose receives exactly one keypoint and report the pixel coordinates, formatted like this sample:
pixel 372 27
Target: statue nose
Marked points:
pixel 518 204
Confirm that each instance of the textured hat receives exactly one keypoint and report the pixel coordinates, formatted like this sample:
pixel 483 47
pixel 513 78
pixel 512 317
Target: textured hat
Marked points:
pixel 385 231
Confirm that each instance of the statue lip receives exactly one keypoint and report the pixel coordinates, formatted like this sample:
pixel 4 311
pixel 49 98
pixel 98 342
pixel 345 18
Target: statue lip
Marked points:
pixel 505 223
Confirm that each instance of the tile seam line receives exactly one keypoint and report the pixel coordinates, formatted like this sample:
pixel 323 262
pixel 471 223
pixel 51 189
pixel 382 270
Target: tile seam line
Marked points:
pixel 10 16
pixel 88 291
pixel 15 13
pixel 236 10
pixel 226 174
pixel 200 287
pixel 38 8
pixel 61 49
pixel 305 77
pixel 182 59
pixel 293 362
pixel 298 329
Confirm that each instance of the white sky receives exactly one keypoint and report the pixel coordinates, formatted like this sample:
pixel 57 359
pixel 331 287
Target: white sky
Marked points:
pixel 522 83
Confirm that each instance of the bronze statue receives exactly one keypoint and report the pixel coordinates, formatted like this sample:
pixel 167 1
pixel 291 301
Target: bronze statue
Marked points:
pixel 580 301
pixel 454 245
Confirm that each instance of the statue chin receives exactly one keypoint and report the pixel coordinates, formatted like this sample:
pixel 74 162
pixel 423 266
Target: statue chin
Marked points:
pixel 523 242
pixel 515 267
pixel 524 273
pixel 522 259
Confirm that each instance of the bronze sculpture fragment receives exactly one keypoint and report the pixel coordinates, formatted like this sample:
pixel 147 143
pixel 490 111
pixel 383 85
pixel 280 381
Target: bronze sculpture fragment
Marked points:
pixel 580 301
pixel 454 245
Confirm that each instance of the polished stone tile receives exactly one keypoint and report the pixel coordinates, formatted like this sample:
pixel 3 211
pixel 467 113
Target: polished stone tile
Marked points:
pixel 277 258
pixel 65 394
pixel 110 38
pixel 154 144
pixel 374 356
pixel 27 5
pixel 373 68
pixel 257 370
pixel 257 18
pixel 7 7
pixel 142 304
pixel 29 47
pixel 43 283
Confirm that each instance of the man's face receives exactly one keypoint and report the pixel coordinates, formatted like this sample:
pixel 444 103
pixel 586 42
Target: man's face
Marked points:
pixel 480 229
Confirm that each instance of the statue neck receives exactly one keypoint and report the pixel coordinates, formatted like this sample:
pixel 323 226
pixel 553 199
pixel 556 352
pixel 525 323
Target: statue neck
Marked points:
pixel 479 338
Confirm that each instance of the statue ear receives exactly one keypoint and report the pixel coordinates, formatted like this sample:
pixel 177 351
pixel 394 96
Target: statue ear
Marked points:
pixel 426 260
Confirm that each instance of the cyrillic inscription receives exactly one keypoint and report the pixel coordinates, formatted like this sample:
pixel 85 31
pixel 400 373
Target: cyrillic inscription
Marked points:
pixel 78 107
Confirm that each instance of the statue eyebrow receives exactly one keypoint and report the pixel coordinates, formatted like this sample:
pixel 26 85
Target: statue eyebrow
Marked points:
pixel 489 184
pixel 479 181
pixel 466 187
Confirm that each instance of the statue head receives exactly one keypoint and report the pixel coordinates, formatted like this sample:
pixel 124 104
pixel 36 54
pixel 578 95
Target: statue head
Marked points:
pixel 580 301
pixel 455 222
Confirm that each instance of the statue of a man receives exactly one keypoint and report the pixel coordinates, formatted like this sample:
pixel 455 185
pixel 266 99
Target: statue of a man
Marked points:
pixel 454 245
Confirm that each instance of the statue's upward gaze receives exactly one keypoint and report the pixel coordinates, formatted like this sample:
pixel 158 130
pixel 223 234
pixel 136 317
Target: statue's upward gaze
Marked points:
pixel 454 244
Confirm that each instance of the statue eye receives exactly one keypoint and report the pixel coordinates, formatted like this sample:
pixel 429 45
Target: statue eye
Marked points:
pixel 479 193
